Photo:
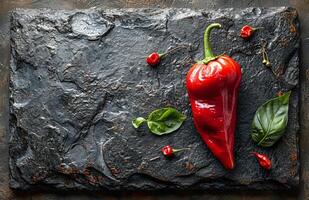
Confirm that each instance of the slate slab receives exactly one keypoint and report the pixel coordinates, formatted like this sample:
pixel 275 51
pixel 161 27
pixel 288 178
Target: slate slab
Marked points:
pixel 79 77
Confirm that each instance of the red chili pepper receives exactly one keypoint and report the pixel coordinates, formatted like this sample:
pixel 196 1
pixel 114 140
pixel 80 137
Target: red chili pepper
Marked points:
pixel 247 31
pixel 212 86
pixel 169 151
pixel 153 59
pixel 263 159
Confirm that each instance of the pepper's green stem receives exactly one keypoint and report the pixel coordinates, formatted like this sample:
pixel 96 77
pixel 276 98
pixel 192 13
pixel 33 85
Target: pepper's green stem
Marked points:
pixel 209 55
pixel 161 55
pixel 177 150
pixel 264 58
pixel 257 28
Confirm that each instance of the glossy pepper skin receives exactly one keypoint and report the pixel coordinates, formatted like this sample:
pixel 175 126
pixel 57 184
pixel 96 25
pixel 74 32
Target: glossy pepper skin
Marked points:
pixel 169 151
pixel 263 160
pixel 212 86
pixel 153 59
pixel 246 31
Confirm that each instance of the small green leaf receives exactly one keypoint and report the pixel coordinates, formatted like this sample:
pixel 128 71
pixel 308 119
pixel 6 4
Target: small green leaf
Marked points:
pixel 270 120
pixel 138 122
pixel 165 120
pixel 162 121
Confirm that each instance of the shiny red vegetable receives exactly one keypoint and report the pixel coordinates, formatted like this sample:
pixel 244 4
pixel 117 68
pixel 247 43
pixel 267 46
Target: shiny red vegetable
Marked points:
pixel 263 160
pixel 246 31
pixel 169 151
pixel 153 59
pixel 212 85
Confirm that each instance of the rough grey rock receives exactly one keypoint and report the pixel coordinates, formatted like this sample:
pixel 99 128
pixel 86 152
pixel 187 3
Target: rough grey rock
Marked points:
pixel 79 77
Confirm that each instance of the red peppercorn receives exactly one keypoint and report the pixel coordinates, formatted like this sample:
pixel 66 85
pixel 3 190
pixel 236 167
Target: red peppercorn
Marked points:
pixel 263 159
pixel 153 59
pixel 246 31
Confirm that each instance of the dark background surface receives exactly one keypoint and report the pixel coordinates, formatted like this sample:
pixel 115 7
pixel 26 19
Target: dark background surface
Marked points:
pixel 303 9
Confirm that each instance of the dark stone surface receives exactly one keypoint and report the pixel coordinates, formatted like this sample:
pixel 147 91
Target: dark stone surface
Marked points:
pixel 79 77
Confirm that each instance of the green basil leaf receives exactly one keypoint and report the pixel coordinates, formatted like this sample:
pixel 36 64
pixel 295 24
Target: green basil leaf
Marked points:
pixel 270 120
pixel 161 121
pixel 165 120
pixel 138 122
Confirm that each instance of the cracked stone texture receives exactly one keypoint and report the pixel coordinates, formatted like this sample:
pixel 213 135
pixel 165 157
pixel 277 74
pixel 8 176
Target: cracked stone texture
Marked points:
pixel 79 77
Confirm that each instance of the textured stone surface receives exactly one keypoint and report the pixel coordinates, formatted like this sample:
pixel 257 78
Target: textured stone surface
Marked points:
pixel 79 77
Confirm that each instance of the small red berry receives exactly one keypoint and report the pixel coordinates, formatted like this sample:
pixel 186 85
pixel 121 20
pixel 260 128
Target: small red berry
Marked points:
pixel 153 59
pixel 263 159
pixel 246 31
pixel 167 151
